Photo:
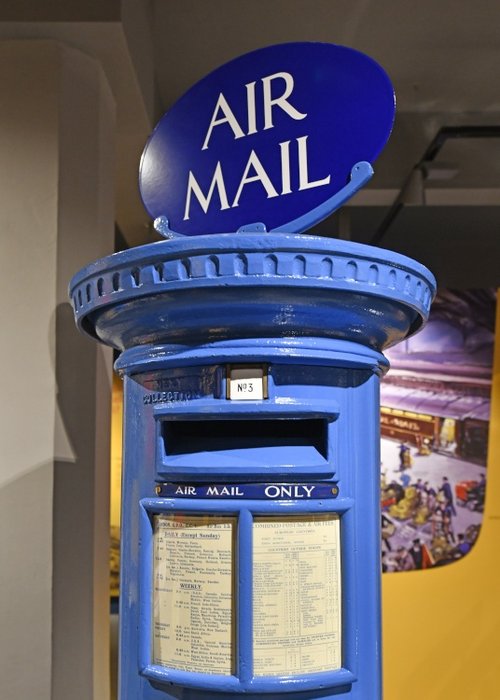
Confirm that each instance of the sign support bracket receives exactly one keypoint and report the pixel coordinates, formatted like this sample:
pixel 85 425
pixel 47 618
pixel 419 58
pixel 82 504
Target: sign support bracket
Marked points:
pixel 360 174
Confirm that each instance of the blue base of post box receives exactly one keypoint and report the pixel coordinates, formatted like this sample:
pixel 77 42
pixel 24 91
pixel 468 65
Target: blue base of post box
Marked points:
pixel 315 315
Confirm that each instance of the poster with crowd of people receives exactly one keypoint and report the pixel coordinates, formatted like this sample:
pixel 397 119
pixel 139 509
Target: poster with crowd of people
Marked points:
pixel 435 407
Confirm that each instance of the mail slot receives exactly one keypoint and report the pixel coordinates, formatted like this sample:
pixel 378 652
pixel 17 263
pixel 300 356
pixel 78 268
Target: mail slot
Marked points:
pixel 186 438
pixel 250 541
pixel 243 444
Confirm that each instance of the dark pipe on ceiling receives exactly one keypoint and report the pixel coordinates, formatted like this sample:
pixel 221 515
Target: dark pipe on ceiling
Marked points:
pixel 444 133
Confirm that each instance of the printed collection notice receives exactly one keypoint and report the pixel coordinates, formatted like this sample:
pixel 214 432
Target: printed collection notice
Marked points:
pixel 193 616
pixel 296 595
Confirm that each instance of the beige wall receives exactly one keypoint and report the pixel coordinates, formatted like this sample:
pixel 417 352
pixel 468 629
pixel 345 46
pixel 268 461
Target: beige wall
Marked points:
pixel 56 214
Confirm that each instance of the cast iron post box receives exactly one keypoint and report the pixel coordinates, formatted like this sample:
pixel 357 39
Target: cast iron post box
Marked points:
pixel 251 521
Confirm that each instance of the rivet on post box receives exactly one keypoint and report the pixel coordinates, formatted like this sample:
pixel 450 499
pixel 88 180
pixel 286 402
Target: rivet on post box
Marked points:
pixel 251 355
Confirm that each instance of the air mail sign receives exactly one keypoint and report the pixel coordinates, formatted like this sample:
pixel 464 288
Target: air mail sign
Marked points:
pixel 250 490
pixel 276 131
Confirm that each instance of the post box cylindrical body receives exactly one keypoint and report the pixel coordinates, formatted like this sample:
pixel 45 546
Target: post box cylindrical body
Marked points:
pixel 250 520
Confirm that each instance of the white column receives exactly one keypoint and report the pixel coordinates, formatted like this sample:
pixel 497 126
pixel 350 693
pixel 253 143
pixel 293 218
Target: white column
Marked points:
pixel 56 214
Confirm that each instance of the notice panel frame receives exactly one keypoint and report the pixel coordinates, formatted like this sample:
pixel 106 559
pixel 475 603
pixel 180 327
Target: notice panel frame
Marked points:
pixel 243 679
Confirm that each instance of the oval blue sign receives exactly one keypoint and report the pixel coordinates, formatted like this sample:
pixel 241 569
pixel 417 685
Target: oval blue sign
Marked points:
pixel 282 135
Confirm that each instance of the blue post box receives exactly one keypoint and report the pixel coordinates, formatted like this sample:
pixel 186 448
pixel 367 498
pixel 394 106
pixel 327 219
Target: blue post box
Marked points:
pixel 250 540
pixel 250 560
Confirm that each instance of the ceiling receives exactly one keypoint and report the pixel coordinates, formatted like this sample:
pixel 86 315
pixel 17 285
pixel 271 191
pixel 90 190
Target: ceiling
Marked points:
pixel 443 58
pixel 444 61
pixel 440 55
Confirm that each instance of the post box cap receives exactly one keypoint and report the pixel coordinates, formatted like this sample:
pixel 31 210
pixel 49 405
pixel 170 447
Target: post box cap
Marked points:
pixel 210 288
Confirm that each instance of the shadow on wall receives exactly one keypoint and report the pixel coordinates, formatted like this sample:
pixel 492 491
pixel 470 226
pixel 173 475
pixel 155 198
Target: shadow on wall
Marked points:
pixel 25 507
pixel 76 495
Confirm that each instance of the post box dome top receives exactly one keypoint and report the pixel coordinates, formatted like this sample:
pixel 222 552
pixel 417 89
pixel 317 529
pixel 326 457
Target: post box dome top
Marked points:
pixel 281 136
pixel 216 288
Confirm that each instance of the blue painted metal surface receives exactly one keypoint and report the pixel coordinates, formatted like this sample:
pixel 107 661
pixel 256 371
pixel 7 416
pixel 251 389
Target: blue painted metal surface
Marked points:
pixel 317 314
pixel 287 131
pixel 216 288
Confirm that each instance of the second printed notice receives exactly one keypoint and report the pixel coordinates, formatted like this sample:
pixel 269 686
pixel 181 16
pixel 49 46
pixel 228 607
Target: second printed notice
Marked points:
pixel 296 595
